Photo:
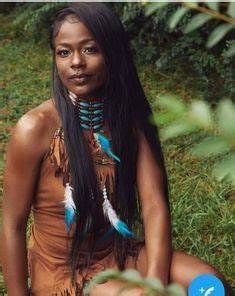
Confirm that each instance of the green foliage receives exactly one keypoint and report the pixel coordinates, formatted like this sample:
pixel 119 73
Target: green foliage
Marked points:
pixel 188 48
pixel 213 5
pixel 200 19
pixel 152 41
pixel 196 22
pixel 218 33
pixel 132 279
pixel 33 20
pixel 231 49
pixel 152 7
pixel 231 9
pixel 177 16
pixel 198 115
pixel 2 289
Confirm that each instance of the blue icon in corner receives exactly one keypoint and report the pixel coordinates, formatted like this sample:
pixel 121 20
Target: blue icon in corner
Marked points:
pixel 206 285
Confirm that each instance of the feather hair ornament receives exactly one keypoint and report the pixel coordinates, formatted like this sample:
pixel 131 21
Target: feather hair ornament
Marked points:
pixel 91 118
pixel 105 146
pixel 70 207
pixel 110 213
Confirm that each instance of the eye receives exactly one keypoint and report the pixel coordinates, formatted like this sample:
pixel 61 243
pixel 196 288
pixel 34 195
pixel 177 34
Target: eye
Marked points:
pixel 90 49
pixel 63 53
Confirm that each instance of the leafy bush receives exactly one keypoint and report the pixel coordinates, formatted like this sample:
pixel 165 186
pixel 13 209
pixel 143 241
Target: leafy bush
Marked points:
pixel 152 41
pixel 33 20
pixel 179 119
pixel 213 66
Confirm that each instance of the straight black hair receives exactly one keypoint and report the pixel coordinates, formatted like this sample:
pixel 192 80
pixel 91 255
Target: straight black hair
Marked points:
pixel 127 113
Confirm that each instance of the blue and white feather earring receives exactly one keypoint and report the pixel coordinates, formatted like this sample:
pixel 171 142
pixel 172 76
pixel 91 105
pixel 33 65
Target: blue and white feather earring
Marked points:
pixel 91 118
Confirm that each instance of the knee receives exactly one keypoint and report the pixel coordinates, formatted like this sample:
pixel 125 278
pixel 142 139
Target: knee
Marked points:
pixel 205 268
pixel 185 268
pixel 212 270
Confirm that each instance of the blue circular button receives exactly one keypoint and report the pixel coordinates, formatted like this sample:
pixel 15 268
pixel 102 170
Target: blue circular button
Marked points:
pixel 206 285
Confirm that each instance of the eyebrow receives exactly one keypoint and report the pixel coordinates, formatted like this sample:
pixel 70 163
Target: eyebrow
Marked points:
pixel 80 42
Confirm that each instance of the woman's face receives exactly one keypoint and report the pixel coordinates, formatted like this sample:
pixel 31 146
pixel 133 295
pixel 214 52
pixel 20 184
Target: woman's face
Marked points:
pixel 79 59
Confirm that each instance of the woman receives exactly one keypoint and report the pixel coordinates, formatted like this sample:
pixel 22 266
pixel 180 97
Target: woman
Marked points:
pixel 79 160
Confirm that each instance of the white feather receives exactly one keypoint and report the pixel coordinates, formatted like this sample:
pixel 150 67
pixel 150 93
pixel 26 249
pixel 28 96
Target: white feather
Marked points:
pixel 109 212
pixel 73 97
pixel 68 197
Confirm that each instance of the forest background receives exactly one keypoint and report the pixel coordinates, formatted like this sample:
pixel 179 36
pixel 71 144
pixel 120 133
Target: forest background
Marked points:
pixel 188 77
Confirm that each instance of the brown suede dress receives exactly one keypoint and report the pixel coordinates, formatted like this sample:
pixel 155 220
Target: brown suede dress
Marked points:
pixel 49 244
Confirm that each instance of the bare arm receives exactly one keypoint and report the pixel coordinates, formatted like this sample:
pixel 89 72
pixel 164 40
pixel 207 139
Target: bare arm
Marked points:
pixel 155 213
pixel 24 155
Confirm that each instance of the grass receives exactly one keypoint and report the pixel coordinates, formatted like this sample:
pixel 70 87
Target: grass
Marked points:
pixel 201 206
pixel 201 210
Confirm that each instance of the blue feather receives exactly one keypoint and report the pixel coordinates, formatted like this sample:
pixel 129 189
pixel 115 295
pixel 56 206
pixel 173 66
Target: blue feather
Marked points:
pixel 69 218
pixel 122 228
pixel 70 208
pixel 112 155
pixel 110 213
pixel 106 146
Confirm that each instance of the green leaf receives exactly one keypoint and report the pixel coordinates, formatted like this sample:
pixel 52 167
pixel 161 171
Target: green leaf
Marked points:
pixel 231 9
pixel 177 129
pixel 151 8
pixel 164 118
pixel 212 5
pixel 197 21
pixel 175 290
pixel 226 118
pixel 218 33
pixel 211 146
pixel 226 170
pixel 131 275
pixel 171 103
pixel 105 275
pixel 154 284
pixel 193 4
pixel 176 17
pixel 231 50
pixel 126 287
pixel 200 114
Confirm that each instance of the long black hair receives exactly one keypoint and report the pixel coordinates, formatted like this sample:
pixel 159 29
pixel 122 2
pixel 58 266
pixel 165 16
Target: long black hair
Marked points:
pixel 127 113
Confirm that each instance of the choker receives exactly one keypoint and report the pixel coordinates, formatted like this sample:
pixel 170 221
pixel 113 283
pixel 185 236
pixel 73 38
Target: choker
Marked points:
pixel 90 112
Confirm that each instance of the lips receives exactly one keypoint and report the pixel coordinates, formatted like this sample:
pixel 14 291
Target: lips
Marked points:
pixel 81 78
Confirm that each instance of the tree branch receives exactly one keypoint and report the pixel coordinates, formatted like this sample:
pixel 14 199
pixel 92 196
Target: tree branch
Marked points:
pixel 213 13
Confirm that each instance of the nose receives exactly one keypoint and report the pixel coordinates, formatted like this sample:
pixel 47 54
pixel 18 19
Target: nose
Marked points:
pixel 77 60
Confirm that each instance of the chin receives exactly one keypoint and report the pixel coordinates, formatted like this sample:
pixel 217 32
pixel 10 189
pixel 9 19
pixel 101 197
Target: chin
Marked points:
pixel 82 92
pixel 85 92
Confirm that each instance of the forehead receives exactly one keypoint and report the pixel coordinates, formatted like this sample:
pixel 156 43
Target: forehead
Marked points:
pixel 73 31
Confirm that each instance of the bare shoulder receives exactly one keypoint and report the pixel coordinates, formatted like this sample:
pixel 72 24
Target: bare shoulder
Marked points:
pixel 44 115
pixel 34 130
pixel 29 142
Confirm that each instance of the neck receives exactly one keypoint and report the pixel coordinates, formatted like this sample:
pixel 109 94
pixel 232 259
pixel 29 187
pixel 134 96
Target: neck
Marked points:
pixel 93 98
